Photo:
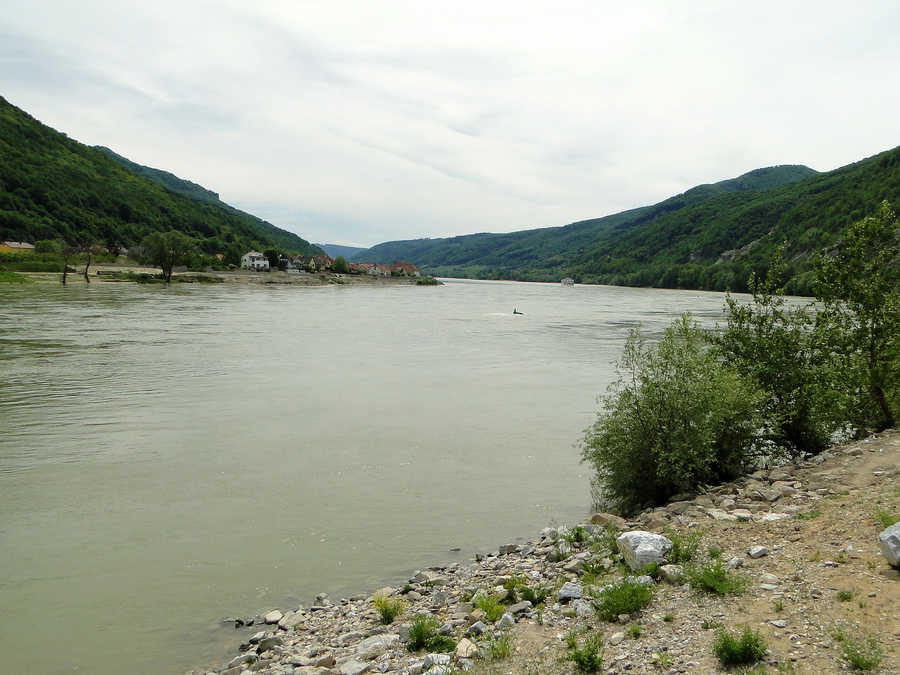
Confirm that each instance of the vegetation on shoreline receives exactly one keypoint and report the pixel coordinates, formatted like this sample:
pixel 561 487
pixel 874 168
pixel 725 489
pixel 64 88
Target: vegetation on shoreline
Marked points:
pixel 777 382
pixel 54 188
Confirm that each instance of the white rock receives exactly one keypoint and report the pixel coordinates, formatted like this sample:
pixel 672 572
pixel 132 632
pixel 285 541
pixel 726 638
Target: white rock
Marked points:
pixel 889 541
pixel 569 591
pixel 616 638
pixel 719 514
pixel 743 515
pixel 674 574
pixel 757 551
pixel 436 660
pixel 376 645
pixel 354 667
pixel 465 649
pixel 274 616
pixel 640 548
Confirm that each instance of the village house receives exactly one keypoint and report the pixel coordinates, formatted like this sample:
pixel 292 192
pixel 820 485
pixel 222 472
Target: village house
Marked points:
pixel 254 260
pixel 401 268
pixel 16 247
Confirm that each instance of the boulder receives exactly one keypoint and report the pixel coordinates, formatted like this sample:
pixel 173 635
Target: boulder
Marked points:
pixel 757 551
pixel 432 660
pixel 519 607
pixel 640 548
pixel 674 574
pixel 608 519
pixel 274 616
pixel 291 620
pixel 506 621
pixel 268 643
pixel 376 645
pixel 353 667
pixel 889 541
pixel 465 649
pixel 569 591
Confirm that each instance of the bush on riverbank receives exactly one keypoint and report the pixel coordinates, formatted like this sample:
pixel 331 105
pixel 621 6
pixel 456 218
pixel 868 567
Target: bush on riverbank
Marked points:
pixel 779 380
pixel 678 417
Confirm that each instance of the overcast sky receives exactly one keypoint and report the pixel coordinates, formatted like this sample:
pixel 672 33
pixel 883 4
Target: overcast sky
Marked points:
pixel 362 122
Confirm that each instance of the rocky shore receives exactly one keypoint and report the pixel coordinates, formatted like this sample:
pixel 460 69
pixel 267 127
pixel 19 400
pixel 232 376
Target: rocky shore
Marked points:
pixel 800 542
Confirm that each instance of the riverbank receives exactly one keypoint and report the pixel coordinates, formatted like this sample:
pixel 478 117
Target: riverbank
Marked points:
pixel 133 273
pixel 800 543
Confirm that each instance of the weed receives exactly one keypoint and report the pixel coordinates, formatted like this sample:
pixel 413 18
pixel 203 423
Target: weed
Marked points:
pixel 669 618
pixel 684 546
pixel 514 585
pixel 606 541
pixel 650 570
pixel 750 647
pixel 625 597
pixel 872 565
pixel 886 518
pixel 809 515
pixel 844 596
pixel 406 589
pixel 536 596
pixel 501 647
pixel 663 660
pixel 423 634
pixel 715 553
pixel 709 624
pixel 587 657
pixel 715 579
pixel 862 653
pixel 815 557
pixel 778 605
pixel 577 535
pixel 388 608
pixel 491 606
pixel 634 631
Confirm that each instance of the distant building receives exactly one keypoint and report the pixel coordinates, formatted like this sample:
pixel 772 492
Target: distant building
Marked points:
pixel 16 247
pixel 568 281
pixel 405 269
pixel 254 260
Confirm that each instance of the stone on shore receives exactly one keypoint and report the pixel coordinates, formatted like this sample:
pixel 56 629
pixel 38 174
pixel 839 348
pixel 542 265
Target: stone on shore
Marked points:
pixel 274 616
pixel 569 591
pixel 608 519
pixel 757 551
pixel 640 548
pixel 465 649
pixel 354 667
pixel 375 646
pixel 889 541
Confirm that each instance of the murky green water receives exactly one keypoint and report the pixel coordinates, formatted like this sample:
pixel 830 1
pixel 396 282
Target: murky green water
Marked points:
pixel 169 457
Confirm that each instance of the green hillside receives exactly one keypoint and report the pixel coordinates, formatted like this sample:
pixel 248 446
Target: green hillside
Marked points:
pixel 52 187
pixel 710 237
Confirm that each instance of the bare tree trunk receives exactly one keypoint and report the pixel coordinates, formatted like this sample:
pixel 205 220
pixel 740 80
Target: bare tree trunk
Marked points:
pixel 65 268
pixel 87 279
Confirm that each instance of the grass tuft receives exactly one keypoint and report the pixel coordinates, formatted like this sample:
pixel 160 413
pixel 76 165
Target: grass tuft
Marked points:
pixel 715 579
pixel 388 608
pixel 491 606
pixel 587 657
pixel 862 653
pixel 423 634
pixel 732 650
pixel 885 519
pixel 625 597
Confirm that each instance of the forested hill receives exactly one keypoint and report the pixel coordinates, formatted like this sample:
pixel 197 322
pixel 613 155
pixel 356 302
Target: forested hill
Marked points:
pixel 710 237
pixel 52 187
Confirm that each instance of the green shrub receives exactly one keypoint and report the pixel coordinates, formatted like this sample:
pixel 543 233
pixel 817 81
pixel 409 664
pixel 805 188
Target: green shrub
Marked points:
pixel 749 648
pixel 388 608
pixel 773 343
pixel 844 596
pixel 676 418
pixel 491 606
pixel 536 596
pixel 684 545
pixel 340 265
pixel 423 634
pixel 809 515
pixel 500 647
pixel 587 657
pixel 862 653
pixel 624 597
pixel 715 579
pixel 859 287
pixel 634 631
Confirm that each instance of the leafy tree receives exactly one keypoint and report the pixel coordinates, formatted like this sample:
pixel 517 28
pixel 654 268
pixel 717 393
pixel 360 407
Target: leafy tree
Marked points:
pixel 47 246
pixel 167 249
pixel 773 343
pixel 272 256
pixel 859 285
pixel 340 265
pixel 677 417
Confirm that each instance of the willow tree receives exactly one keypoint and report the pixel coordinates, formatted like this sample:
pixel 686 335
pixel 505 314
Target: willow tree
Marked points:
pixel 167 250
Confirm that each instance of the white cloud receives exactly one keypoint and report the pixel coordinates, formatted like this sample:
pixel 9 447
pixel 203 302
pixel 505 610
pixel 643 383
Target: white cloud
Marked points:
pixel 365 122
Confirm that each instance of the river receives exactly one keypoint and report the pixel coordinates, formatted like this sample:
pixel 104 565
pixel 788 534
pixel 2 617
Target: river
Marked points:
pixel 172 456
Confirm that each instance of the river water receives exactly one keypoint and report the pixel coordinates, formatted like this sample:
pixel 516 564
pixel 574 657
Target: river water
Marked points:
pixel 172 456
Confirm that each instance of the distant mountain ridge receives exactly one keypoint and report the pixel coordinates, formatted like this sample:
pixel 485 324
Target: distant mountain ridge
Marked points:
pixel 52 187
pixel 711 236
pixel 335 250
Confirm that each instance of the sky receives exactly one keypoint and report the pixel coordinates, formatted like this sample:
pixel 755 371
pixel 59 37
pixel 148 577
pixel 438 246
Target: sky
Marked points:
pixel 362 122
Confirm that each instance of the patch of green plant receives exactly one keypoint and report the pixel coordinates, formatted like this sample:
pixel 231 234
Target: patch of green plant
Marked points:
pixel 669 618
pixel 676 419
pixel 536 596
pixel 388 608
pixel 862 653
pixel 514 587
pixel 406 589
pixel 684 545
pixel 732 650
pixel 13 278
pixel 808 515
pixel 577 535
pixel 714 552
pixel 624 597
pixel 500 647
pixel 778 605
pixel 427 281
pixel 587 656
pixel 662 660
pixel 844 596
pixel 423 634
pixel 709 624
pixel 885 518
pixel 634 631
pixel 491 606
pixel 715 579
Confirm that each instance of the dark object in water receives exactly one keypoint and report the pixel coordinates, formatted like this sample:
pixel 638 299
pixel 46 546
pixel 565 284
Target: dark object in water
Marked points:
pixel 515 311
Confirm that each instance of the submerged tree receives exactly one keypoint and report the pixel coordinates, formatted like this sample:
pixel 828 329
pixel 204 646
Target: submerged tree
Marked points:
pixel 167 249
